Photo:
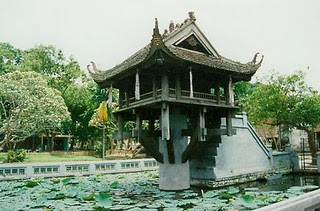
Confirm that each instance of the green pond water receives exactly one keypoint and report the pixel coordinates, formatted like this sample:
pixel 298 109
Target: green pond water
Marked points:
pixel 139 191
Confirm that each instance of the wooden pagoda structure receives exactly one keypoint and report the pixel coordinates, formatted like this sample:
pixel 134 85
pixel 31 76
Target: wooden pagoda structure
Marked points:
pixel 181 87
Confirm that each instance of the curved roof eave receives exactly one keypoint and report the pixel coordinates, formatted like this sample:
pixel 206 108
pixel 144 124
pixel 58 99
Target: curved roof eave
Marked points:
pixel 242 71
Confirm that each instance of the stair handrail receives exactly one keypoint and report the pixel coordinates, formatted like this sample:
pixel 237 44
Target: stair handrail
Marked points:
pixel 258 139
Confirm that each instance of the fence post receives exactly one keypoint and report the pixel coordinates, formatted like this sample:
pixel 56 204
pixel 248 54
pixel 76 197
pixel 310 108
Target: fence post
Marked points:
pixel 29 171
pixel 318 161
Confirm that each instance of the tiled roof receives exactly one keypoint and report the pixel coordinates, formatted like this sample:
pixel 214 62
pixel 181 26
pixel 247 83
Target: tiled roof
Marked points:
pixel 211 61
pixel 133 60
pixel 217 63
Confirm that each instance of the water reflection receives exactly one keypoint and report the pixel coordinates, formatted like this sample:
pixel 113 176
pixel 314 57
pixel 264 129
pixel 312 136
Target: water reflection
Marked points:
pixel 283 182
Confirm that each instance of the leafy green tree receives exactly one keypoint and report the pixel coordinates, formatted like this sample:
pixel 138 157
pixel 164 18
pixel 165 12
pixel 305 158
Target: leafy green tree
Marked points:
pixel 242 90
pixel 81 104
pixel 62 74
pixel 28 106
pixel 288 102
pixel 50 62
pixel 10 58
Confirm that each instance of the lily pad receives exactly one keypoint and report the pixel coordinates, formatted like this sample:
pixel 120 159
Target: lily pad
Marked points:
pixel 89 197
pixel 31 184
pixel 66 181
pixel 232 190
pixel 103 200
pixel 210 194
pixel 225 196
pixel 114 184
pixel 59 196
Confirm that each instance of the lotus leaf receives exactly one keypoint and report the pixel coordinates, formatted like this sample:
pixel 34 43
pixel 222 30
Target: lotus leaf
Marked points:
pixel 103 200
pixel 31 183
pixel 232 190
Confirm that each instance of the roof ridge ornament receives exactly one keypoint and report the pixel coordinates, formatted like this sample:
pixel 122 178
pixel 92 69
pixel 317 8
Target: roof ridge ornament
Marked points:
pixel 173 27
pixel 192 17
pixel 255 59
pixel 156 37
pixel 92 68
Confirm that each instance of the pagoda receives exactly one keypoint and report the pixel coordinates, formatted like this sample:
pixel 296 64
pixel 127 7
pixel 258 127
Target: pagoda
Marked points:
pixel 176 89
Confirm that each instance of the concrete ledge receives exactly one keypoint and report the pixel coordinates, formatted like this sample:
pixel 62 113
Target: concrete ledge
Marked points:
pixel 308 202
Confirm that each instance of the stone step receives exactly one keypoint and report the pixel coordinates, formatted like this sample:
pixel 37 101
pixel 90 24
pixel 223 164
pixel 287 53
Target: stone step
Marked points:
pixel 204 162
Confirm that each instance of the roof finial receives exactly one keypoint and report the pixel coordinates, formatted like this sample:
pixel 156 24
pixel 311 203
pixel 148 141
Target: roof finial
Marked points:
pixel 171 26
pixel 156 27
pixel 192 17
pixel 156 37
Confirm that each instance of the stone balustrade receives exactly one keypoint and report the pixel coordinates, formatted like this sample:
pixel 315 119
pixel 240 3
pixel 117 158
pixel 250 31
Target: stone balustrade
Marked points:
pixel 24 171
pixel 308 202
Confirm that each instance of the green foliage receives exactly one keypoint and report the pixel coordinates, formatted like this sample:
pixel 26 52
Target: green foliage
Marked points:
pixel 285 100
pixel 242 90
pixel 50 62
pixel 10 58
pixel 28 107
pixel 81 104
pixel 103 200
pixel 79 93
pixel 31 183
pixel 14 156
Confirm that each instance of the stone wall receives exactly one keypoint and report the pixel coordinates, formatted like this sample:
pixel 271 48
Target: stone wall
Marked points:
pixel 243 153
pixel 241 158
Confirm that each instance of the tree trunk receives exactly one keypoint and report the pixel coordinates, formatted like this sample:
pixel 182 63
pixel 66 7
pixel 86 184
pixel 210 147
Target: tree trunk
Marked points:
pixel 103 142
pixel 72 144
pixel 52 142
pixel 312 145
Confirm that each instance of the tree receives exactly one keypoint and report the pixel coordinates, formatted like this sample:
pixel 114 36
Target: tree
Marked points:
pixel 288 102
pixel 242 90
pixel 62 74
pixel 28 106
pixel 81 104
pixel 10 58
pixel 50 62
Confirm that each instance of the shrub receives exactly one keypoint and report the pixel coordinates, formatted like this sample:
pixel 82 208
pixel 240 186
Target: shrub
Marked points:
pixel 16 155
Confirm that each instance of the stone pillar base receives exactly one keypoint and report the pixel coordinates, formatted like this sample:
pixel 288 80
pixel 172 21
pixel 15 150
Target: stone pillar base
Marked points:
pixel 174 176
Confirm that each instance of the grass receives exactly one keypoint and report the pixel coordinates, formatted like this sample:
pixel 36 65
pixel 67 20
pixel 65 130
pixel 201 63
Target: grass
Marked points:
pixel 45 157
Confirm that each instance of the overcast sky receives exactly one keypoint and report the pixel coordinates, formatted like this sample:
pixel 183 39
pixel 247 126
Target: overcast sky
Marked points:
pixel 286 32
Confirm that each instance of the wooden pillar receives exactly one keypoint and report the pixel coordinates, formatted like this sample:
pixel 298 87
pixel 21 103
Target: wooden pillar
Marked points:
pixel 165 121
pixel 151 124
pixel 110 96
pixel 217 93
pixel 138 125
pixel 202 124
pixel 178 87
pixel 120 125
pixel 121 98
pixel 229 123
pixel 226 94
pixel 154 88
pixel 127 98
pixel 137 87
pixel 191 82
pixel 165 86
pixel 230 95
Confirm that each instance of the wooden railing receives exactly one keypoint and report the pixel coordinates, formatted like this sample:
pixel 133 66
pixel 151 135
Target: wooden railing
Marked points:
pixel 148 96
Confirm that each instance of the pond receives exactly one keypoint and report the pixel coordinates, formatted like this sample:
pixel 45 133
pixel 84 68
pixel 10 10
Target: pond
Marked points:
pixel 139 191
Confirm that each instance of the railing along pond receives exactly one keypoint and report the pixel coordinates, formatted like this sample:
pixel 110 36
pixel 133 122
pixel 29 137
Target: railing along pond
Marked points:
pixel 22 171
